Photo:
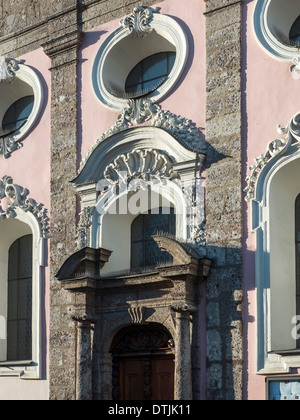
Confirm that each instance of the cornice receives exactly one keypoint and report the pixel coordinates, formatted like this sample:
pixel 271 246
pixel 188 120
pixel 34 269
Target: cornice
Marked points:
pixel 63 43
pixel 217 5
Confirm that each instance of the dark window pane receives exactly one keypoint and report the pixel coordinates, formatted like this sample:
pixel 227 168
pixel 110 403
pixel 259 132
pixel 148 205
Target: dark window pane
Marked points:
pixel 17 114
pixel 137 230
pixel 155 66
pixel 295 33
pixel 137 254
pixel 156 223
pixel 150 73
pixel 154 256
pixel 144 250
pixel 25 256
pixel 19 318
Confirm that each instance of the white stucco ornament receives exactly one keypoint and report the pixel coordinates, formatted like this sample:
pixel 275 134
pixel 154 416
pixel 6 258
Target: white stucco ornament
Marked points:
pixel 8 67
pixel 143 33
pixel 17 81
pixel 273 20
pixel 139 22
pixel 18 198
pixel 275 148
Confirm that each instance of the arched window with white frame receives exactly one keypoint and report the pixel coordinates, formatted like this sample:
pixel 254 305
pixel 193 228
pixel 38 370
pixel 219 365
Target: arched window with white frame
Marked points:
pixel 22 260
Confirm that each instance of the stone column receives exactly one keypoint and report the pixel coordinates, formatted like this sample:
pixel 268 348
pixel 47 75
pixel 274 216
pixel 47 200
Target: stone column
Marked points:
pixel 84 359
pixel 183 360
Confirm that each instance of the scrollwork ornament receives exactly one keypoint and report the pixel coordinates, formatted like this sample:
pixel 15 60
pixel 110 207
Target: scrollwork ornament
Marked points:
pixel 138 23
pixel 275 148
pixel 8 68
pixel 144 110
pixel 17 198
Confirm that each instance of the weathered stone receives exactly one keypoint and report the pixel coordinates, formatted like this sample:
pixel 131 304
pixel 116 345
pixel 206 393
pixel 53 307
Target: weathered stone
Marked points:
pixel 224 225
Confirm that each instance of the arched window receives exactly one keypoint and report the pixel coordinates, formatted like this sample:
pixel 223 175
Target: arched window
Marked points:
pixel 144 250
pixel 19 314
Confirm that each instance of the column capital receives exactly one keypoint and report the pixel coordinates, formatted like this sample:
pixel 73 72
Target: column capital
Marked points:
pixel 83 321
pixel 65 46
pixel 183 308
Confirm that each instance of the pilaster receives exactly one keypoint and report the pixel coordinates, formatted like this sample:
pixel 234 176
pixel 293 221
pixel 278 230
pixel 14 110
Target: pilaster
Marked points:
pixel 224 198
pixel 63 52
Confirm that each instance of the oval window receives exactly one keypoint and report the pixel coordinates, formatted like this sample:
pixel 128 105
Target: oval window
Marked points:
pixel 277 27
pixel 128 67
pixel 17 114
pixel 149 74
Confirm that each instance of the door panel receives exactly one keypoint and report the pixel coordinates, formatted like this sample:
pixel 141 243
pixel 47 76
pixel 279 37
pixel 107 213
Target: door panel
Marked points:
pixel 146 378
pixel 163 379
pixel 132 379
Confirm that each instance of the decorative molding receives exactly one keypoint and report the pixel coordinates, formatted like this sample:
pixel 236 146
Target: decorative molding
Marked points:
pixel 272 23
pixel 83 229
pixel 17 196
pixel 8 145
pixel 295 68
pixel 141 164
pixel 137 314
pixel 15 80
pixel 182 253
pixel 8 67
pixel 144 110
pixel 143 340
pixel 275 148
pixel 138 23
pixel 122 42
pixel 184 307
pixel 63 49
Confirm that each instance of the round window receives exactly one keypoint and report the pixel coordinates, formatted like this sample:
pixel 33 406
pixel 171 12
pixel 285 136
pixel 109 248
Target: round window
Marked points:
pixel 277 27
pixel 128 66
pixel 21 101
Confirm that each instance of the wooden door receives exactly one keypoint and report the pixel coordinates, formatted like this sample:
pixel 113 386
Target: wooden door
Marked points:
pixel 146 378
pixel 143 364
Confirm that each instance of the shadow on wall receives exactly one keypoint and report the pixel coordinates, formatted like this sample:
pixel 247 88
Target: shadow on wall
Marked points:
pixel 224 317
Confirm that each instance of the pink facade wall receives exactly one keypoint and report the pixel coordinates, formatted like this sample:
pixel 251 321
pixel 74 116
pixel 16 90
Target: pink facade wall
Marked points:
pixel 30 168
pixel 188 97
pixel 270 98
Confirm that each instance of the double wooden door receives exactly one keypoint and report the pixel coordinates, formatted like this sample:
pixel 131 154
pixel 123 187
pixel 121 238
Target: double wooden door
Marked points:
pixel 143 364
pixel 147 378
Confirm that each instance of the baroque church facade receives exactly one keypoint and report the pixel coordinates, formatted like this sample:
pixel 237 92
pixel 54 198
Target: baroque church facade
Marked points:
pixel 149 203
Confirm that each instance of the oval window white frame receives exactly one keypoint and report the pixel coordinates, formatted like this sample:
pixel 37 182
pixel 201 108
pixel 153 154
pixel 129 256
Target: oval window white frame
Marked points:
pixel 162 27
pixel 264 30
pixel 21 81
